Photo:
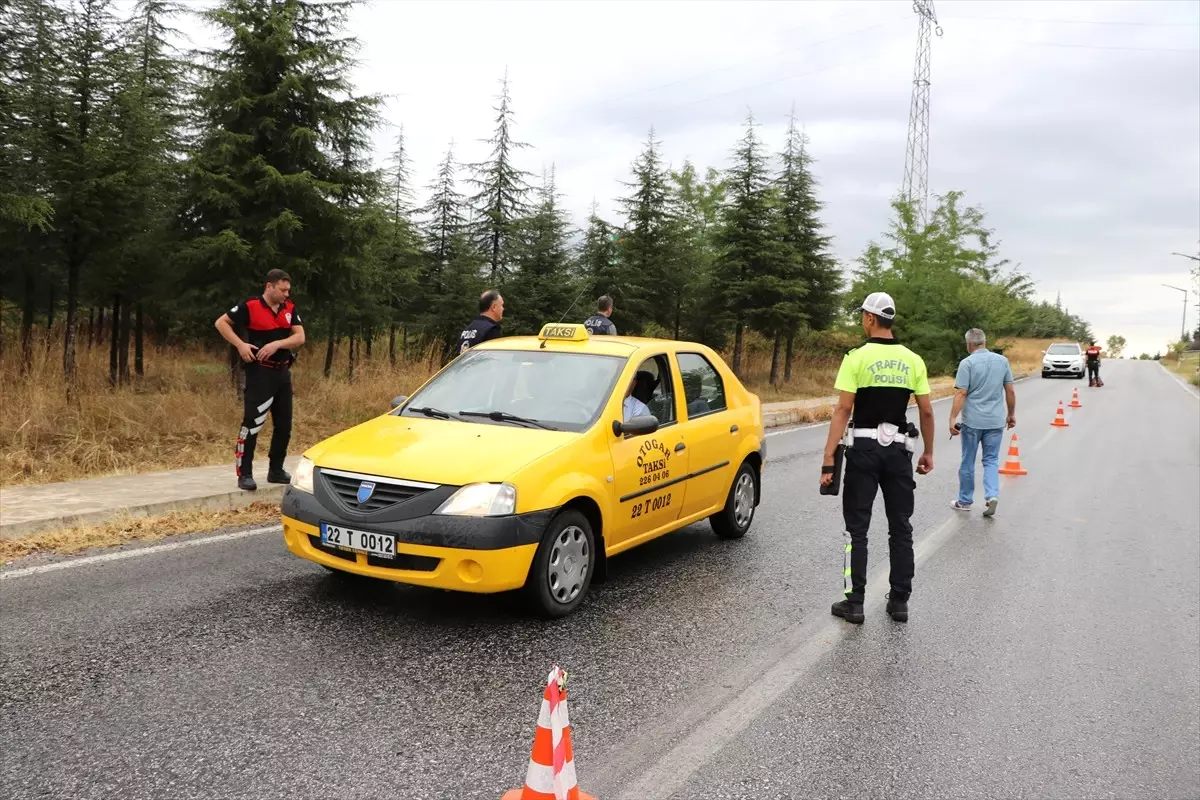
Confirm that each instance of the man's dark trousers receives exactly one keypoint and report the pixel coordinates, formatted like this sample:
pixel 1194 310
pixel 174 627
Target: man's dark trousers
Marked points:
pixel 870 465
pixel 268 391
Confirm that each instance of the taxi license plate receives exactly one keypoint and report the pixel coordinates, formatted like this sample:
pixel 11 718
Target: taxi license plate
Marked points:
pixel 377 544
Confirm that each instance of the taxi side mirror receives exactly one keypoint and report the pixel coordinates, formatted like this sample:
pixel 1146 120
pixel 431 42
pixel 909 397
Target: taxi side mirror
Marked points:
pixel 398 401
pixel 638 426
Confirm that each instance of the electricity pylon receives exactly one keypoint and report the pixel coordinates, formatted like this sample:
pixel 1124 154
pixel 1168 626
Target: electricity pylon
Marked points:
pixel 916 156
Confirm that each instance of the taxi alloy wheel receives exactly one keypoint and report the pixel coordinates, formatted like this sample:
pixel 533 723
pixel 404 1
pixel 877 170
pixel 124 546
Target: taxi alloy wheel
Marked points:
pixel 734 520
pixel 563 566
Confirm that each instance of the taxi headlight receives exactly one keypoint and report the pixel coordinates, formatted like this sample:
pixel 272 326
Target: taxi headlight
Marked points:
pixel 481 500
pixel 302 478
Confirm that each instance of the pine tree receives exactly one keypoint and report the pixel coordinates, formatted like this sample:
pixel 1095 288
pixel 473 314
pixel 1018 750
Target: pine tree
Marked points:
pixel 32 112
pixel 502 199
pixel 450 277
pixel 646 247
pixel 150 119
pixel 695 205
pixel 280 173
pixel 400 248
pixel 543 287
pixel 597 265
pixel 808 257
pixel 749 266
pixel 87 218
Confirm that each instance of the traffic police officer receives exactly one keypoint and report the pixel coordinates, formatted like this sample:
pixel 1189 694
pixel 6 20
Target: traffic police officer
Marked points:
pixel 600 323
pixel 874 383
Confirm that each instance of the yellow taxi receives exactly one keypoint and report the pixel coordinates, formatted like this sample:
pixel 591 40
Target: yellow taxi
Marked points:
pixel 527 462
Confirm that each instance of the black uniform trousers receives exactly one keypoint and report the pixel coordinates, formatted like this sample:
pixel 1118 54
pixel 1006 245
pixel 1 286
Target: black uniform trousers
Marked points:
pixel 871 465
pixel 1093 369
pixel 268 391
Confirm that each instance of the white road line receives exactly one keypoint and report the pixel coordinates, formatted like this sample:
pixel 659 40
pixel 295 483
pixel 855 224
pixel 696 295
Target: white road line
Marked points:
pixel 1179 381
pixel 671 772
pixel 141 551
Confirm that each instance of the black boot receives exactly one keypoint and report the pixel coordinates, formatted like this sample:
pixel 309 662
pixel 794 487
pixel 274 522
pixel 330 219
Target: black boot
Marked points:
pixel 278 475
pixel 851 612
pixel 897 606
pixel 246 483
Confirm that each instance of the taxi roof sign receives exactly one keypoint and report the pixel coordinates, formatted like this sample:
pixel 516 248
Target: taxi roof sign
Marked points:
pixel 561 332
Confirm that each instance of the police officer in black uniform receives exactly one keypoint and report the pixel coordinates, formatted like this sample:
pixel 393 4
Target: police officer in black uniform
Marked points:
pixel 600 323
pixel 271 330
pixel 487 325
pixel 874 384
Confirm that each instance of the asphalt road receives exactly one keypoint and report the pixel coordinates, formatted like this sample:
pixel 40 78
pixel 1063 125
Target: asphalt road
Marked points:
pixel 1051 652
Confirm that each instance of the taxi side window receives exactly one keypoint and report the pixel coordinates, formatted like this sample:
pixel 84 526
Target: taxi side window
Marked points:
pixel 703 389
pixel 656 388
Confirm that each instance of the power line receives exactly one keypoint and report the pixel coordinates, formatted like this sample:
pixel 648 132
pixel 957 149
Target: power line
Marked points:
pixel 1081 21
pixel 1087 46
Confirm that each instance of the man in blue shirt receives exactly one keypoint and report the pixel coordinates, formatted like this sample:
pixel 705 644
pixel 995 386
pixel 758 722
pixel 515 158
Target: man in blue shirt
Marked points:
pixel 983 378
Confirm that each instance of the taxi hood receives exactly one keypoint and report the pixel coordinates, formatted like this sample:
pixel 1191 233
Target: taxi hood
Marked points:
pixel 436 450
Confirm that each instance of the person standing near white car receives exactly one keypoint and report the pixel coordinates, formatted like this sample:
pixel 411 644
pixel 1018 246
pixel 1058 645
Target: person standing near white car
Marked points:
pixel 983 379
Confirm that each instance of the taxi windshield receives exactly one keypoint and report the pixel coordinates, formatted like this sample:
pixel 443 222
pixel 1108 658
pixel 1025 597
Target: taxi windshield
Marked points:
pixel 565 391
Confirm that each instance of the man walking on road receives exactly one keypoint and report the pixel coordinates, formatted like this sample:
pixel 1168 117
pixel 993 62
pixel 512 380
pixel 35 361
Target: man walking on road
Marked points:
pixel 1093 364
pixel 874 383
pixel 983 378
pixel 487 325
pixel 601 323
pixel 272 329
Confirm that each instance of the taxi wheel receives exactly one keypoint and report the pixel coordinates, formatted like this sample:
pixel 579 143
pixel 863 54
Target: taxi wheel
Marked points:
pixel 563 565
pixel 734 520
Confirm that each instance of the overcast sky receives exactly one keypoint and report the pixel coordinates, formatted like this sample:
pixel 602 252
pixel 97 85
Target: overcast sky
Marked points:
pixel 1075 125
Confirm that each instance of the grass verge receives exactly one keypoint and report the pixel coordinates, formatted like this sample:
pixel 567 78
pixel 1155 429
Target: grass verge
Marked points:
pixel 66 541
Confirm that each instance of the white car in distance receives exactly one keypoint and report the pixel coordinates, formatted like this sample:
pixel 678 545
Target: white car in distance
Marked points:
pixel 1064 358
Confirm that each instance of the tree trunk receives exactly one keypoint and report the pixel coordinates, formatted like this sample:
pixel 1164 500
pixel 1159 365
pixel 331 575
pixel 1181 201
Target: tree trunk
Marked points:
pixel 72 322
pixel 329 348
pixel 787 364
pixel 392 344
pixel 114 340
pixel 50 309
pixel 404 343
pixel 737 347
pixel 370 337
pixel 678 314
pixel 775 359
pixel 100 325
pixel 27 313
pixel 123 352
pixel 352 355
pixel 139 367
pixel 91 326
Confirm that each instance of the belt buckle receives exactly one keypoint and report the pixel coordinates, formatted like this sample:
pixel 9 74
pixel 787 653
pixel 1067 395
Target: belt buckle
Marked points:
pixel 887 432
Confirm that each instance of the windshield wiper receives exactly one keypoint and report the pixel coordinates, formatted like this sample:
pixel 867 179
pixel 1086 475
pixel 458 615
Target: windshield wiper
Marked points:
pixel 504 416
pixel 429 411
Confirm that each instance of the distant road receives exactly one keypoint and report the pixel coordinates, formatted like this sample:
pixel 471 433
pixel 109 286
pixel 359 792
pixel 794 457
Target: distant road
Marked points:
pixel 1051 652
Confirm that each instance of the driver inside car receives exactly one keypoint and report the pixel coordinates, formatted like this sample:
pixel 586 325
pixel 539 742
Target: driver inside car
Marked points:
pixel 636 394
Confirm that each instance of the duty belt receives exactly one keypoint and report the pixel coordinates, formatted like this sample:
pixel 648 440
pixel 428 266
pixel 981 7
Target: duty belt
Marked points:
pixel 898 438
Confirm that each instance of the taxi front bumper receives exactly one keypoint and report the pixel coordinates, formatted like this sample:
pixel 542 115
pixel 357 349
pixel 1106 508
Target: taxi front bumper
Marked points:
pixel 468 554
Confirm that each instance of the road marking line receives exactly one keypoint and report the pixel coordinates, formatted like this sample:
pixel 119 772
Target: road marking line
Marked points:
pixel 141 551
pixel 670 773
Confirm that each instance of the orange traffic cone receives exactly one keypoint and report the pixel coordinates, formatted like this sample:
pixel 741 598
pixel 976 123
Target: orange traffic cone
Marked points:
pixel 551 773
pixel 1013 465
pixel 1060 421
pixel 1075 400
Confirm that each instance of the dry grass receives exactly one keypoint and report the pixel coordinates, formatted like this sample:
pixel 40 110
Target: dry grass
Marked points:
pixel 185 414
pixel 135 529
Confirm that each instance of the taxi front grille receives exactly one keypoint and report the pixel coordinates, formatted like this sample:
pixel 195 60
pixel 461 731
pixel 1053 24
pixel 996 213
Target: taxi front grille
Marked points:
pixel 385 495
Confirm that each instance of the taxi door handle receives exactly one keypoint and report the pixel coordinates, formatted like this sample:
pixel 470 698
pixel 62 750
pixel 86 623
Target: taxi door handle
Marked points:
pixel 733 428
pixel 680 446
